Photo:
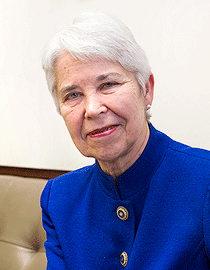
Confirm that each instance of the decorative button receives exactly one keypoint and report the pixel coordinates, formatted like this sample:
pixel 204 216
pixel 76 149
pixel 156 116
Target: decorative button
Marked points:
pixel 124 259
pixel 122 213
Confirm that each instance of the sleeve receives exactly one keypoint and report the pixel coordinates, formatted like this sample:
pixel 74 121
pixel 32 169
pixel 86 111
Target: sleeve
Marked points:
pixel 206 223
pixel 54 253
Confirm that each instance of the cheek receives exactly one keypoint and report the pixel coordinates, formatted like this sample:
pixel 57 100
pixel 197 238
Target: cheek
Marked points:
pixel 70 116
pixel 130 107
pixel 73 125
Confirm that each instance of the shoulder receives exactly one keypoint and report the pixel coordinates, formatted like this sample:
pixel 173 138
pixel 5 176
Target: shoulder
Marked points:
pixel 181 154
pixel 177 149
pixel 189 152
pixel 67 185
pixel 182 160
pixel 74 178
pixel 186 161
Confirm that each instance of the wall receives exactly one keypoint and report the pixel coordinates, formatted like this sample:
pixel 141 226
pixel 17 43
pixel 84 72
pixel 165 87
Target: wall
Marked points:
pixel 175 35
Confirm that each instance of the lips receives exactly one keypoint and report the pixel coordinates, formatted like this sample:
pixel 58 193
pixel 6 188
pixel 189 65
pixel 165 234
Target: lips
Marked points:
pixel 101 130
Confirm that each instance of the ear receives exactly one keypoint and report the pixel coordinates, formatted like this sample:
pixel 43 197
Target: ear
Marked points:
pixel 149 91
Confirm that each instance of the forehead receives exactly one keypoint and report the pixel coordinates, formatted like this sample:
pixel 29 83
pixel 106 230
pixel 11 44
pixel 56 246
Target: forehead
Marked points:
pixel 68 66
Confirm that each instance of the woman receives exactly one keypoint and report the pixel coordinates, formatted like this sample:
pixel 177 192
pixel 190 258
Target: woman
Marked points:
pixel 143 204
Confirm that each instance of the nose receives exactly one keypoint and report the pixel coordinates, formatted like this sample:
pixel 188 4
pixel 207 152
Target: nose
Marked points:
pixel 94 106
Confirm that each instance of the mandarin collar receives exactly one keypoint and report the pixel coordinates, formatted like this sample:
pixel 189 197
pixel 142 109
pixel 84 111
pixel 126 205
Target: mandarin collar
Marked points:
pixel 140 173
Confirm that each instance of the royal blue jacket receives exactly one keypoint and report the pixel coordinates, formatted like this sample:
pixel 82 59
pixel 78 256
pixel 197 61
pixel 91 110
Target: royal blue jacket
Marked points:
pixel 158 219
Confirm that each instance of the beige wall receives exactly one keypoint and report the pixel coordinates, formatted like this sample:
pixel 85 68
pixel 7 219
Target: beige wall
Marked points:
pixel 176 37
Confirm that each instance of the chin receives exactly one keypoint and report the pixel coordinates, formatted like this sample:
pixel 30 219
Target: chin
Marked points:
pixel 106 152
pixel 107 156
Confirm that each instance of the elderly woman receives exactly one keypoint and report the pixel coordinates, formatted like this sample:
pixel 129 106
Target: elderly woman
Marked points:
pixel 144 203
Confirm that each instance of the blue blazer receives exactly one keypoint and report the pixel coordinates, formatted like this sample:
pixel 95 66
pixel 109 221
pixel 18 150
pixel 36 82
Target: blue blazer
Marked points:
pixel 159 219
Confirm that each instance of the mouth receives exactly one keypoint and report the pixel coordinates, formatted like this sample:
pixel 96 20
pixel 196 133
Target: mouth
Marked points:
pixel 102 131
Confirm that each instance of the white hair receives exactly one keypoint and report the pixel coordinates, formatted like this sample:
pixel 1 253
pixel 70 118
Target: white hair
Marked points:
pixel 96 35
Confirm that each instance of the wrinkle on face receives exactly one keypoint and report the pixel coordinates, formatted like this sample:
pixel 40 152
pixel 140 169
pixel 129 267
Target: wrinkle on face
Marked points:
pixel 115 98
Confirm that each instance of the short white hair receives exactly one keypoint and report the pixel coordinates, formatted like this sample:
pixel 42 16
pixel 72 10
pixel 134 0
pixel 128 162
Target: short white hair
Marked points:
pixel 95 35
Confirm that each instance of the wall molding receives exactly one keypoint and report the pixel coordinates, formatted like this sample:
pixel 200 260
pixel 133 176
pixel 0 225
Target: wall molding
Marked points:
pixel 30 172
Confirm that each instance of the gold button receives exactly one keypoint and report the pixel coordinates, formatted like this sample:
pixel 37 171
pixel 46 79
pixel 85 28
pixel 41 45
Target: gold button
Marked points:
pixel 122 213
pixel 124 259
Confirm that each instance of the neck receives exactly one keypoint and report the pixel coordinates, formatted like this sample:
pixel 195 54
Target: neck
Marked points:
pixel 118 166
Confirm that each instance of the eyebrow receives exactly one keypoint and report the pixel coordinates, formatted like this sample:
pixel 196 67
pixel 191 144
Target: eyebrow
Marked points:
pixel 67 89
pixel 101 77
pixel 106 75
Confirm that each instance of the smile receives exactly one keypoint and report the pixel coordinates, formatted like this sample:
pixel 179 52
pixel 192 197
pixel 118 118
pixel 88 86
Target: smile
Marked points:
pixel 102 131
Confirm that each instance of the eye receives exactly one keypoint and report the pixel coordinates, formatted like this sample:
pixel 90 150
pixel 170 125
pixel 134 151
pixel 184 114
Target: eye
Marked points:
pixel 71 96
pixel 74 95
pixel 109 85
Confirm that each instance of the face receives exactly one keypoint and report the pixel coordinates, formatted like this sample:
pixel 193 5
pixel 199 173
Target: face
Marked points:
pixel 103 108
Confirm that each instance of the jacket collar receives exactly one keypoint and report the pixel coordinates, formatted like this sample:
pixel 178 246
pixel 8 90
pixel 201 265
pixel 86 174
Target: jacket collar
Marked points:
pixel 140 173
